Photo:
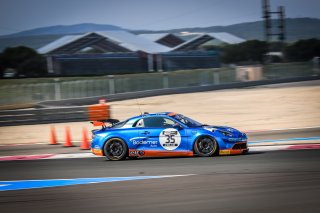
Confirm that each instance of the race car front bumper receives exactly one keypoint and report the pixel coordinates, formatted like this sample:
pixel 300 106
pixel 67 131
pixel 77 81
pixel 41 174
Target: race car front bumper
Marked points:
pixel 237 148
pixel 98 152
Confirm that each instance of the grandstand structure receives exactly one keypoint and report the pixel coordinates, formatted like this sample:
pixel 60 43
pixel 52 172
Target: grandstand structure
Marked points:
pixel 122 52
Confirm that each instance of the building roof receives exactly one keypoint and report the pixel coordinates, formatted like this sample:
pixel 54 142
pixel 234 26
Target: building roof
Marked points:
pixel 58 43
pixel 122 39
pixel 166 39
pixel 193 43
pixel 154 36
pixel 226 38
pixel 134 42
pixel 202 38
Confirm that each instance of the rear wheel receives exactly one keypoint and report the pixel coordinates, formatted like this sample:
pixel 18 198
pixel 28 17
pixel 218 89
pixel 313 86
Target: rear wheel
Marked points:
pixel 115 149
pixel 205 147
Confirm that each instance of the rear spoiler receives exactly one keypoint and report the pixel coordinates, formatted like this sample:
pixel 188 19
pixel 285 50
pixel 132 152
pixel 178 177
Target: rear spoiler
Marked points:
pixel 104 122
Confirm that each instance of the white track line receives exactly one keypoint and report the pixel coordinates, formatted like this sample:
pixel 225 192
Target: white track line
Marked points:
pixel 270 130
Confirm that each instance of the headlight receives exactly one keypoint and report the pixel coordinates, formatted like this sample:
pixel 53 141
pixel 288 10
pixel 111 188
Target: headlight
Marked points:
pixel 228 134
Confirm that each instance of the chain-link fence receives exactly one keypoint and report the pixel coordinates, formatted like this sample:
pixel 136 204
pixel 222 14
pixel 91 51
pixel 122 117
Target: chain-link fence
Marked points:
pixel 22 92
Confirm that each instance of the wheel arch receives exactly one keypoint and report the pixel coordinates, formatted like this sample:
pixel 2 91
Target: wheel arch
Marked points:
pixel 204 136
pixel 113 137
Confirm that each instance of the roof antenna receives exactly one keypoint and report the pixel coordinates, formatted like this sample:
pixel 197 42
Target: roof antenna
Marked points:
pixel 139 106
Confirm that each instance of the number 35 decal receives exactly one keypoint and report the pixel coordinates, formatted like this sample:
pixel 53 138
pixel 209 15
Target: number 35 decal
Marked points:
pixel 170 139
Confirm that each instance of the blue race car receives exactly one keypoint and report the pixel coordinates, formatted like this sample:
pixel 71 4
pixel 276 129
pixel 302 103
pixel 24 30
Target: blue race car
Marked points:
pixel 165 134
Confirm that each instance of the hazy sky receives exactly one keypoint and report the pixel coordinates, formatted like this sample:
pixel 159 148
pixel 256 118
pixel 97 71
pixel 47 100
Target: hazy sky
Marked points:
pixel 18 15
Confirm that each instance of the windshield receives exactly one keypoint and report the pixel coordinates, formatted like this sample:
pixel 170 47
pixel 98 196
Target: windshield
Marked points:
pixel 187 121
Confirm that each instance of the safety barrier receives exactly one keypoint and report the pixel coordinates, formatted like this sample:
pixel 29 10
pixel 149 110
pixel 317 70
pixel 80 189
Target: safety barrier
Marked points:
pixel 80 113
pixel 98 112
pixel 42 116
pixel 93 112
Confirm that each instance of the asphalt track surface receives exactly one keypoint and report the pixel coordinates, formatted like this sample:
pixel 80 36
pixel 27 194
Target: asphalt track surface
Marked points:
pixel 281 181
pixel 278 181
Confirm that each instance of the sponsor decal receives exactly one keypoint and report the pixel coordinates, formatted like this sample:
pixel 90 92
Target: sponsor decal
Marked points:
pixel 143 141
pixel 224 152
pixel 141 153
pixel 136 153
pixel 170 139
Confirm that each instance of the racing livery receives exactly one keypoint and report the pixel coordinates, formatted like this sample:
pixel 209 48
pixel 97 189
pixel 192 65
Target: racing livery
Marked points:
pixel 165 134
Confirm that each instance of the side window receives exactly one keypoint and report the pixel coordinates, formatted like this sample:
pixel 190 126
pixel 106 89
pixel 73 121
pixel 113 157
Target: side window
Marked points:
pixel 140 123
pixel 158 122
pixel 169 122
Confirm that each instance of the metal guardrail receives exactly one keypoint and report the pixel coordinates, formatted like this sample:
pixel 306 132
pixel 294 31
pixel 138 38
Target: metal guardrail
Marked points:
pixel 80 113
pixel 66 88
pixel 43 116
pixel 31 91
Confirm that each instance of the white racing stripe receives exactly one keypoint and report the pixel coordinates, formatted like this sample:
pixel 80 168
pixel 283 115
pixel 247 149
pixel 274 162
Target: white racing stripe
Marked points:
pixel 73 155
pixel 268 148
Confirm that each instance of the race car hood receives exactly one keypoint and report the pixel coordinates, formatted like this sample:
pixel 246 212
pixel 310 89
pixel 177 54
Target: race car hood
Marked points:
pixel 225 129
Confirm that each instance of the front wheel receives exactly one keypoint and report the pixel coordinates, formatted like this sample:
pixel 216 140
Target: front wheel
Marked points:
pixel 205 147
pixel 115 149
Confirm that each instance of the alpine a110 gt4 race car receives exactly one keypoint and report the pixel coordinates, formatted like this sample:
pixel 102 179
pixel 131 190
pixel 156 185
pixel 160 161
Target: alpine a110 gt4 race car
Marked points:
pixel 165 134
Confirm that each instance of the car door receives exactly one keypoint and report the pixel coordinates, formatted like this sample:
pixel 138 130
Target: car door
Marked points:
pixel 163 134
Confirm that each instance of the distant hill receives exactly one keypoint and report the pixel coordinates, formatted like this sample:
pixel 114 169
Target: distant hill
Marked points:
pixel 64 29
pixel 297 28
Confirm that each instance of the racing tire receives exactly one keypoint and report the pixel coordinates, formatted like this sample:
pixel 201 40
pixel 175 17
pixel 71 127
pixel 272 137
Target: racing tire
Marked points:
pixel 115 149
pixel 205 147
pixel 245 152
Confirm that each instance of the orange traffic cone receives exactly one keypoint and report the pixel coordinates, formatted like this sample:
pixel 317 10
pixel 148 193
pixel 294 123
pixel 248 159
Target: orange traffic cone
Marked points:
pixel 53 139
pixel 85 143
pixel 68 142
